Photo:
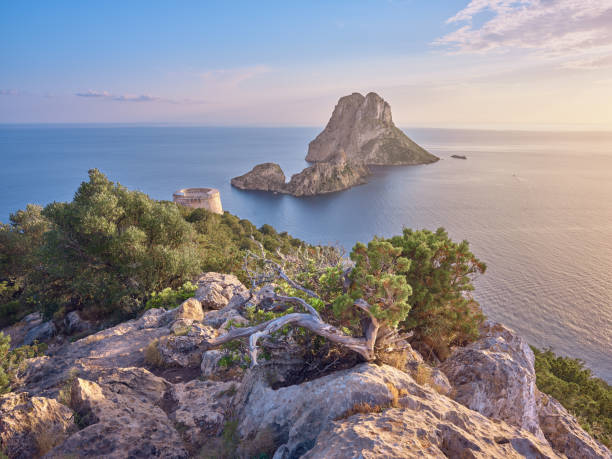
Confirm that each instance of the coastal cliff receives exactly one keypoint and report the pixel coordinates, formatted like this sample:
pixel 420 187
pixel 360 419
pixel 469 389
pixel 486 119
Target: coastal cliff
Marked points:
pixel 360 133
pixel 364 129
pixel 150 388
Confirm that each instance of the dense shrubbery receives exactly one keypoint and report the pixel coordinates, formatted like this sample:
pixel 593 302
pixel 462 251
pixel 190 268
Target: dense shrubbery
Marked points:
pixel 12 360
pixel 441 271
pixel 586 397
pixel 106 251
pixel 111 253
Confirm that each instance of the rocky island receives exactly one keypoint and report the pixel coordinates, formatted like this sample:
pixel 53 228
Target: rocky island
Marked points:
pixel 324 177
pixel 360 133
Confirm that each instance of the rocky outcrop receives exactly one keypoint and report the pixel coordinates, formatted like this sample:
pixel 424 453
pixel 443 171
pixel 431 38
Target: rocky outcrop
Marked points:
pixel 263 177
pixel 216 290
pixel 120 418
pixel 564 433
pixel 322 419
pixel 360 133
pixel 363 128
pixel 495 376
pixel 425 427
pixel 31 426
pixel 115 405
pixel 31 328
pixel 325 177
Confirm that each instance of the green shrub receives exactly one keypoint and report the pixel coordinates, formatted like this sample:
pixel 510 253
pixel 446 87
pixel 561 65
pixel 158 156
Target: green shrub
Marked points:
pixel 169 298
pixel 574 386
pixel 109 248
pixel 11 361
pixel 441 271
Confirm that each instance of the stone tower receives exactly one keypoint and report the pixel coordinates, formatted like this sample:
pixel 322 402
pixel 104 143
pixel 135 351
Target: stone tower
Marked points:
pixel 199 198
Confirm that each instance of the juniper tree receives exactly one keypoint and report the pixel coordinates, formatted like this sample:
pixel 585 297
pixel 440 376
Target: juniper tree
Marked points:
pixel 441 272
pixel 359 309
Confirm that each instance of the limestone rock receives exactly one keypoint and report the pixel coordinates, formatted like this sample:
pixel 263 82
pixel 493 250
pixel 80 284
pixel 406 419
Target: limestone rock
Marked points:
pixel 264 177
pixel 120 422
pixel 74 323
pixel 31 426
pixel 198 409
pixel 302 416
pixel 363 128
pixel 564 433
pixel 222 318
pixel 117 347
pixel 327 177
pixel 216 290
pixel 425 428
pixel 495 376
pixel 190 309
pixel 336 174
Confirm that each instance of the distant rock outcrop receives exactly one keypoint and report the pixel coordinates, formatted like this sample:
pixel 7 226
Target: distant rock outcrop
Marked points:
pixel 363 128
pixel 263 177
pixel 360 133
pixel 325 177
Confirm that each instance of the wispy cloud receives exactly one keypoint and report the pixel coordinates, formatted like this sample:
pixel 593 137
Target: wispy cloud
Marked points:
pixel 552 27
pixel 234 76
pixel 118 97
pixel 591 63
pixel 8 92
pixel 105 95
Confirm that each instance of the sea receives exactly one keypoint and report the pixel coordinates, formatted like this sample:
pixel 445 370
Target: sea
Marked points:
pixel 535 206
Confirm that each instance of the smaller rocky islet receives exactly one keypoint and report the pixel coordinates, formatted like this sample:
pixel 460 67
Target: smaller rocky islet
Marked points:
pixel 360 133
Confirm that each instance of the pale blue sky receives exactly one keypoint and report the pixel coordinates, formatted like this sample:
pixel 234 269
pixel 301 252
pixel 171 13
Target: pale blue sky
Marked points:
pixel 439 63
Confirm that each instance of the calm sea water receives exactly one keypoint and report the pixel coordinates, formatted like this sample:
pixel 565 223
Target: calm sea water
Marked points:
pixel 537 207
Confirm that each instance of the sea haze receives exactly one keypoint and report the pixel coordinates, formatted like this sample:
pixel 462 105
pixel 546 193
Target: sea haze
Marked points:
pixel 535 206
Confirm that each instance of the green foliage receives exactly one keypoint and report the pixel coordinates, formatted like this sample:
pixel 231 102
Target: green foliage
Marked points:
pixel 109 248
pixel 585 396
pixel 11 361
pixel 441 271
pixel 170 298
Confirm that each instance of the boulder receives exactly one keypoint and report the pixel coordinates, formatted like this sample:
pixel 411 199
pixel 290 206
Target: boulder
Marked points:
pixel 117 347
pixel 120 421
pixel 264 177
pixel 426 427
pixel 198 409
pixel 31 426
pixel 495 376
pixel 363 128
pixel 190 309
pixel 223 318
pixel 398 413
pixel 216 290
pixel 74 323
pixel 564 433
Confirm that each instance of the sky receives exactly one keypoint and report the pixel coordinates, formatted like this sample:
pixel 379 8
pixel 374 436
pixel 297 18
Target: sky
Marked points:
pixel 439 63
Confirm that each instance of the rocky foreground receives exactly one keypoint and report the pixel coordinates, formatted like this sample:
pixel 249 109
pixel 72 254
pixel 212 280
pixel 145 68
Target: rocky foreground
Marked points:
pixel 360 133
pixel 148 388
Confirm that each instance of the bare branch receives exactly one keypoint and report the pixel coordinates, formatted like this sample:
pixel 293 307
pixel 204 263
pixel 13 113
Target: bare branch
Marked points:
pixel 360 345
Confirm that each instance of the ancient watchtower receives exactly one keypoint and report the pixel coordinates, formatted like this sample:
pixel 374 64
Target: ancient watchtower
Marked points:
pixel 204 198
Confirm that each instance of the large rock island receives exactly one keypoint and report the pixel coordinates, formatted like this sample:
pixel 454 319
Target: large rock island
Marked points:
pixel 360 133
pixel 363 128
